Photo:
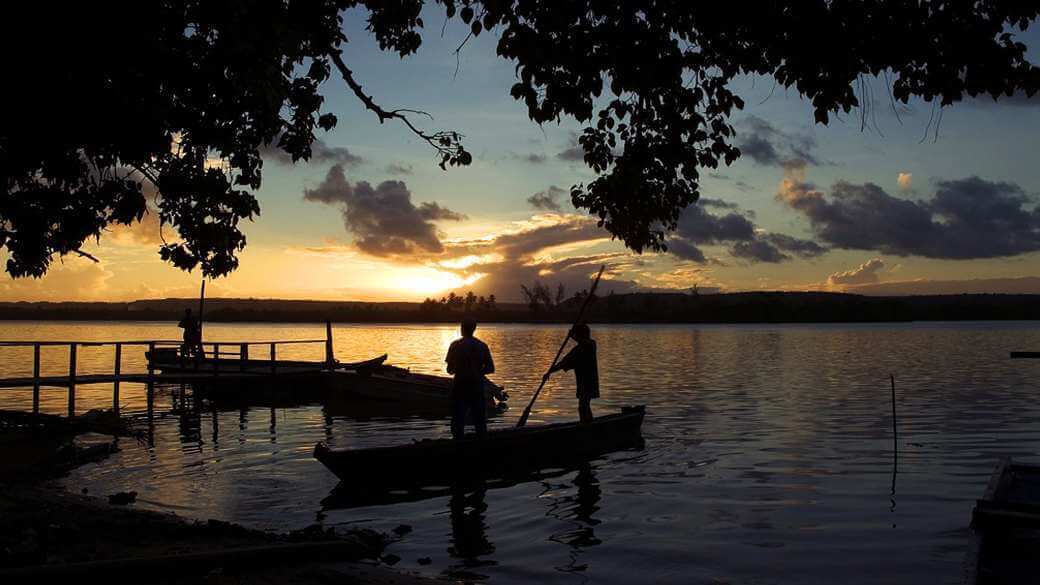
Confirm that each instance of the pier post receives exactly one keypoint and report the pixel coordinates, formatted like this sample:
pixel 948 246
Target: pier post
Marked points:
pixel 72 379
pixel 150 388
pixel 36 378
pixel 216 359
pixel 243 356
pixel 115 382
pixel 273 358
pixel 329 356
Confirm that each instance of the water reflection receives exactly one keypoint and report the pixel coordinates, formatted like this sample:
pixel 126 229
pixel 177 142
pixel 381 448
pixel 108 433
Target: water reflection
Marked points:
pixel 577 510
pixel 467 507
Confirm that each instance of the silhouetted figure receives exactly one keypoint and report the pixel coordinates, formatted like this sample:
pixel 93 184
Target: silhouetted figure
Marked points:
pixel 469 360
pixel 192 335
pixel 582 359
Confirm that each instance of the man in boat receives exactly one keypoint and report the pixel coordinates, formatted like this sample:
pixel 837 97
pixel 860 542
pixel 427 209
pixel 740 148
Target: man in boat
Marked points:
pixel 469 360
pixel 192 344
pixel 581 359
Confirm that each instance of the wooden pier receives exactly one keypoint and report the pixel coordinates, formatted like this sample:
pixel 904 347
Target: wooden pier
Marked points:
pixel 220 360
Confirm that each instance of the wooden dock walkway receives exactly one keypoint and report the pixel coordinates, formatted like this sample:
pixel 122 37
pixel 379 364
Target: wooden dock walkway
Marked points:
pixel 224 374
pixel 212 365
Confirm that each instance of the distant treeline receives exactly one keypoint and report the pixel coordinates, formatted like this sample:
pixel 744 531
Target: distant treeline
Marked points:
pixel 750 307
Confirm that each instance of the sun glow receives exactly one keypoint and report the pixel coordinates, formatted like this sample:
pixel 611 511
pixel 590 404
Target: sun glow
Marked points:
pixel 425 281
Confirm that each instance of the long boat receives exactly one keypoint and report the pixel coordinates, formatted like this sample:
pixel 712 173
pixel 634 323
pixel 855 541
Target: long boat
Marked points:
pixel 1012 497
pixel 499 454
pixel 370 380
pixel 1006 522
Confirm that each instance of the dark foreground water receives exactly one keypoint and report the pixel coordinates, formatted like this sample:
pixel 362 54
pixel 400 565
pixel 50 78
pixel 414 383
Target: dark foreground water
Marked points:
pixel 768 453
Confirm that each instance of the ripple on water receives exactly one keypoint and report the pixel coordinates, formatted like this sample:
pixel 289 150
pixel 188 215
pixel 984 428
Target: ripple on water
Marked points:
pixel 768 451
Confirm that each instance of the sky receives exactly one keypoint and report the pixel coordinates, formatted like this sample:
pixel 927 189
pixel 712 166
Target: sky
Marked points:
pixel 891 204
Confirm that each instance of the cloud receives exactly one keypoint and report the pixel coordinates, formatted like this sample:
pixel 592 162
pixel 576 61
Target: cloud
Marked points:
pixel 398 169
pixel 142 233
pixel 766 145
pixel 1026 285
pixel 320 153
pixel 698 227
pixel 905 181
pixel 866 273
pixel 571 154
pixel 72 279
pixel 964 219
pixel 574 152
pixel 530 157
pixel 549 247
pixel 383 219
pixel 548 200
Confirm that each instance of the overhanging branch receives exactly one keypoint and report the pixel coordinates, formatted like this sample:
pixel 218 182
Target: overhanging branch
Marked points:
pixel 448 144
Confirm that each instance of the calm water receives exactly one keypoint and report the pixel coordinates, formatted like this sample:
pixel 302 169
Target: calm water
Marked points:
pixel 768 453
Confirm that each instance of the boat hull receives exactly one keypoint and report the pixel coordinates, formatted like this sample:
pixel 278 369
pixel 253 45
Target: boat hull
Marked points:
pixel 500 454
pixel 343 386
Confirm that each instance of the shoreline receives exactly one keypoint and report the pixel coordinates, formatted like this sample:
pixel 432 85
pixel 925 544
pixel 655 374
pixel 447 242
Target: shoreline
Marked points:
pixel 48 531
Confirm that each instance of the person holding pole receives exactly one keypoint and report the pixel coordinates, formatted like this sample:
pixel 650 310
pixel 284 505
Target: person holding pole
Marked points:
pixel 581 359
pixel 469 360
pixel 588 298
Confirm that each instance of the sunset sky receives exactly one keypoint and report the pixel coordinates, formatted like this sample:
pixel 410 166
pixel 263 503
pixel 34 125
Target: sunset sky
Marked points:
pixel 896 205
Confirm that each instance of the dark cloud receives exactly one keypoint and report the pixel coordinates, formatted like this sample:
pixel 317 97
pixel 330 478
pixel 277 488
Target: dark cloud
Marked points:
pixel 530 157
pixel 964 219
pixel 320 153
pixel 766 145
pixel 548 200
pixel 399 169
pixel 718 203
pixel 698 227
pixel 572 154
pixel 521 257
pixel 383 219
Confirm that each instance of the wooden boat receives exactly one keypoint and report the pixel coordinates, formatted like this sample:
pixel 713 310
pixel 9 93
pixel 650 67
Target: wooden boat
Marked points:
pixel 1012 497
pixel 499 454
pixel 369 380
pixel 1002 549
pixel 422 392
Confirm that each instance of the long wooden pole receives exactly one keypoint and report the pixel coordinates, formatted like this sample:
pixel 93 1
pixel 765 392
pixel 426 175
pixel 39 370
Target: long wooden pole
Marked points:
pixel 592 291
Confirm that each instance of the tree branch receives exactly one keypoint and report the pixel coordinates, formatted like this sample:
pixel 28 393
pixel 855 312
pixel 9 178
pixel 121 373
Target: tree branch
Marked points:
pixel 85 255
pixel 448 144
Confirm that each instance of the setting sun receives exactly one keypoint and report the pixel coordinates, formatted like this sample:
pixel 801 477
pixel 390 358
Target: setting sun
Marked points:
pixel 424 280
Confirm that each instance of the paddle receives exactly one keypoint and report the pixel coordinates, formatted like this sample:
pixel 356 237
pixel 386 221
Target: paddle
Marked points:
pixel 588 298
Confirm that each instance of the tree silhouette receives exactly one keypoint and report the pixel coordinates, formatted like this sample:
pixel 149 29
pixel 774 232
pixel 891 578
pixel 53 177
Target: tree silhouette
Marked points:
pixel 175 100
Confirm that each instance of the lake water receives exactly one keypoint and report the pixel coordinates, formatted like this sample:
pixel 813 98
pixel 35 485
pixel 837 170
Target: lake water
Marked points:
pixel 768 454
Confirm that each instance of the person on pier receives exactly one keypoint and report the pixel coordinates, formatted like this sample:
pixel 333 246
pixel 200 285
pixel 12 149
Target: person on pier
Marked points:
pixel 469 360
pixel 581 359
pixel 192 344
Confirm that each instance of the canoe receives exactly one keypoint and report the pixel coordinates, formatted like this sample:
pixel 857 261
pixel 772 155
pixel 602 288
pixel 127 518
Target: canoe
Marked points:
pixel 1012 497
pixel 369 380
pixel 421 392
pixel 499 454
pixel 1006 521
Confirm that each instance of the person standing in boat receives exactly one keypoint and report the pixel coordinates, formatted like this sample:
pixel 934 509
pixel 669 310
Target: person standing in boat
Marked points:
pixel 581 359
pixel 469 360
